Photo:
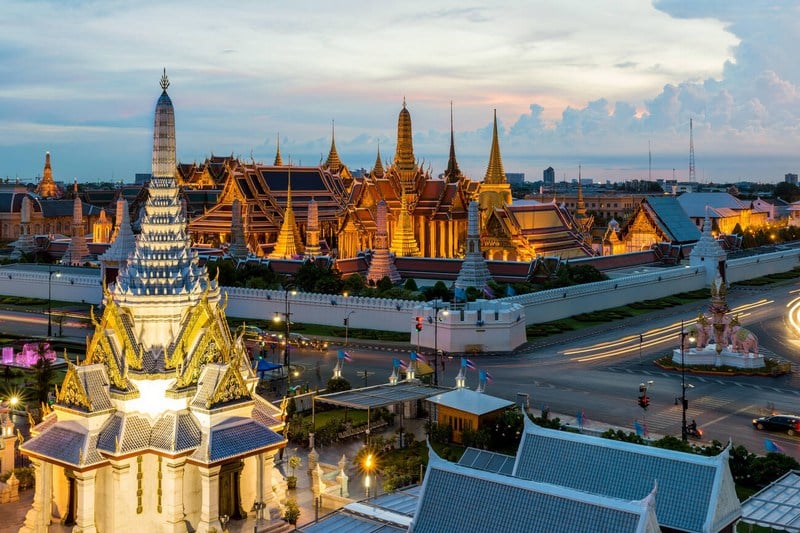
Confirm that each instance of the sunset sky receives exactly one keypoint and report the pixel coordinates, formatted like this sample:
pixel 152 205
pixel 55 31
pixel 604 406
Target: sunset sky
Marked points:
pixel 573 82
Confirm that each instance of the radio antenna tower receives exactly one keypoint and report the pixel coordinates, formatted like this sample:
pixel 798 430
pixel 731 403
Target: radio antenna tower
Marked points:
pixel 692 177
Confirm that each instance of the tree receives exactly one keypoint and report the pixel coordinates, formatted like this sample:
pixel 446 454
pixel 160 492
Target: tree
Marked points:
pixel 291 512
pixel 410 285
pixel 337 385
pixel 439 291
pixel 43 374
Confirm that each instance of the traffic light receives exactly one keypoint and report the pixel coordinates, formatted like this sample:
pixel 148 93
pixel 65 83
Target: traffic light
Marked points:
pixel 419 323
pixel 644 401
pixel 345 322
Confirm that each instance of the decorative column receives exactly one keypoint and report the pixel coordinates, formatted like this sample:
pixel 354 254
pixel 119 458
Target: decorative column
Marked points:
pixel 84 521
pixel 209 499
pixel 117 517
pixel 172 496
pixel 37 520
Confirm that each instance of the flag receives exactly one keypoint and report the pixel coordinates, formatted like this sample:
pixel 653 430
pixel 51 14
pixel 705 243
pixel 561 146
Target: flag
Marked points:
pixel 346 356
pixel 466 363
pixel 579 419
pixel 487 376
pixel 510 290
pixel 418 357
pixel 638 428
pixel 398 363
pixel 460 294
pixel 413 356
pixel 487 291
pixel 772 446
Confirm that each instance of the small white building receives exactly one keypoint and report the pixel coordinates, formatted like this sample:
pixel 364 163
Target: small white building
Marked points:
pixel 473 327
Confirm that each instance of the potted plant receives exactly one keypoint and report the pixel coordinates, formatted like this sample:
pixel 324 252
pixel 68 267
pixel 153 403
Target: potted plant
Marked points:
pixel 292 512
pixel 294 463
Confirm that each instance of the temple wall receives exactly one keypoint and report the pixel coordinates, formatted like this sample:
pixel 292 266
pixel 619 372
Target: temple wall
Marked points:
pixel 398 315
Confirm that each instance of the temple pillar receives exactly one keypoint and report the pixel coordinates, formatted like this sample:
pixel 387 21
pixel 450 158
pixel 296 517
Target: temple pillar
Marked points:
pixel 85 488
pixel 117 518
pixel 172 496
pixel 37 520
pixel 209 499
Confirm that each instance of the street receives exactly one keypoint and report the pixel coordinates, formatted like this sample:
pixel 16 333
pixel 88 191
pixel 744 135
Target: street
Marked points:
pixel 595 372
pixel 598 373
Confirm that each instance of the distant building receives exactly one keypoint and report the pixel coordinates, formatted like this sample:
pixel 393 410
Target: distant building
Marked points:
pixel 790 178
pixel 549 176
pixel 142 178
pixel 515 178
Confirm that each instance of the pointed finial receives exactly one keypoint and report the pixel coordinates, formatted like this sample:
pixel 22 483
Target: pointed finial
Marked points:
pixel 164 80
pixel 404 102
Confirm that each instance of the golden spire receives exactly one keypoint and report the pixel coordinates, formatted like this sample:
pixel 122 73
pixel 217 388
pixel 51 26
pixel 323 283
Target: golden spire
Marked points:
pixel 453 172
pixel 403 241
pixel 377 170
pixel 47 187
pixel 404 155
pixel 278 160
pixel 333 163
pixel 164 80
pixel 494 172
pixel 289 243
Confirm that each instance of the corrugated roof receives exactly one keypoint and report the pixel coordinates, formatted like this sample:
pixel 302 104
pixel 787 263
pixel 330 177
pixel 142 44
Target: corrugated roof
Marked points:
pixel 379 395
pixel 777 506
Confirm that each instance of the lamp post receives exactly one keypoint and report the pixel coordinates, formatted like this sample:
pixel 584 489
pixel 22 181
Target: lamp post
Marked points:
pixel 436 309
pixel 50 273
pixel 684 386
pixel 287 317
pixel 347 327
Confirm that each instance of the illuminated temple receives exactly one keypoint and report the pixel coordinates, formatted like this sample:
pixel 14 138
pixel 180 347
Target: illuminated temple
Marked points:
pixel 158 428
pixel 426 216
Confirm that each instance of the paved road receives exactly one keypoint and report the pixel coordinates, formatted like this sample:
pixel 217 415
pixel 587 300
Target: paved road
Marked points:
pixel 597 371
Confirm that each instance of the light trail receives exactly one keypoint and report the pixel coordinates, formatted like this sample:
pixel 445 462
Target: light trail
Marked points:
pixel 654 337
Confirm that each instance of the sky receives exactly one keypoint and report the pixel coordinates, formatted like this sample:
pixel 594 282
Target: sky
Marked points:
pixel 599 84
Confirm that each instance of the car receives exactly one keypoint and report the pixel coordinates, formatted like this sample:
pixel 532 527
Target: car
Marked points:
pixel 788 423
pixel 253 333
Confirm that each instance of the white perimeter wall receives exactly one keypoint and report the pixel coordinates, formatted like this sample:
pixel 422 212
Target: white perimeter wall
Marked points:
pixel 398 315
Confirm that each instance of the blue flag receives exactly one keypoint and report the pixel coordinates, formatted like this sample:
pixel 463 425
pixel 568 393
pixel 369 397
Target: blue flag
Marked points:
pixel 510 290
pixel 398 363
pixel 638 428
pixel 460 294
pixel 772 446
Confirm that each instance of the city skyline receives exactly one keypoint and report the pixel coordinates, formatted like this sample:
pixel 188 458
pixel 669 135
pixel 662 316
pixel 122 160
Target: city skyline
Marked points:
pixel 595 85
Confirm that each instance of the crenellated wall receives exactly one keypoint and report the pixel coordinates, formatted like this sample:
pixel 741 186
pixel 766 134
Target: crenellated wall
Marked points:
pixel 83 285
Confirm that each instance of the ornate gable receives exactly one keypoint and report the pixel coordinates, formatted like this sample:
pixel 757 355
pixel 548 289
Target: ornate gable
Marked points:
pixel 73 393
pixel 230 388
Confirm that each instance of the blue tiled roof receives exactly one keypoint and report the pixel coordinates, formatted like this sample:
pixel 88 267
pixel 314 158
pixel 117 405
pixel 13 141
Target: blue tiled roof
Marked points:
pixel 673 219
pixel 457 498
pixel 686 482
pixel 235 437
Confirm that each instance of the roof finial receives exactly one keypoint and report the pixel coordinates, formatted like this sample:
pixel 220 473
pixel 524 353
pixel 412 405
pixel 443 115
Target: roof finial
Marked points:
pixel 404 101
pixel 278 159
pixel 164 80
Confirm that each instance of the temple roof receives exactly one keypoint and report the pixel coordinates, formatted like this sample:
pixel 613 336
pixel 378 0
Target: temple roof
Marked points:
pixel 695 492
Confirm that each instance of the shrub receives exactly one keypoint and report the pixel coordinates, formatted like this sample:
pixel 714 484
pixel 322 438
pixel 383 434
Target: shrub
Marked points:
pixel 291 512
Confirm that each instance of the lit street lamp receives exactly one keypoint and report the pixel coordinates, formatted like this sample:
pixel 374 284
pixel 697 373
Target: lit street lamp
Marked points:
pixel 369 467
pixel 347 326
pixel 50 273
pixel 436 309
pixel 287 317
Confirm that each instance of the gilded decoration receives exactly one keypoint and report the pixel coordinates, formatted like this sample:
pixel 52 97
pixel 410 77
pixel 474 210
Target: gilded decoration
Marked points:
pixel 73 393
pixel 230 388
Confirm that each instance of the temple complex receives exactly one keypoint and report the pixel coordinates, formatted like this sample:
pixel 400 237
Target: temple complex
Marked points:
pixel 158 428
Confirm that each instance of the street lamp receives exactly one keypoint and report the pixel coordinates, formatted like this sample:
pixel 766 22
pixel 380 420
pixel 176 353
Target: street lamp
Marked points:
pixel 50 273
pixel 287 317
pixel 684 386
pixel 369 466
pixel 347 325
pixel 436 340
